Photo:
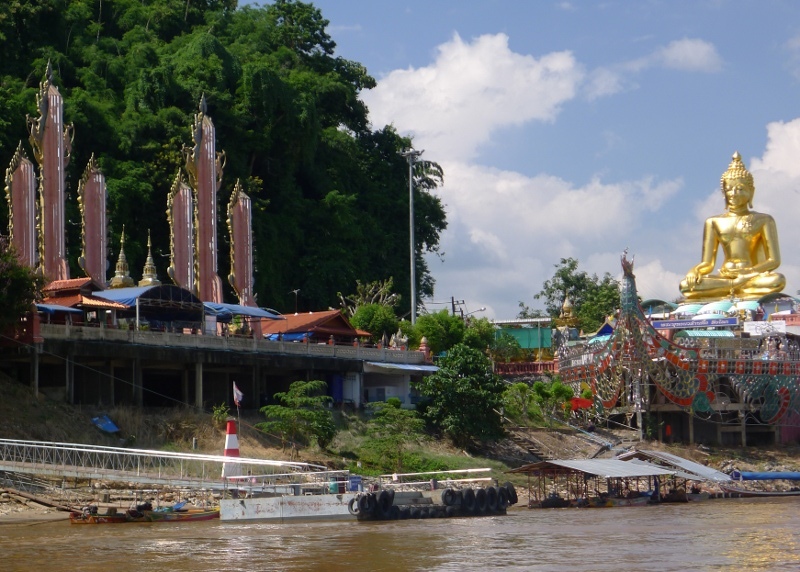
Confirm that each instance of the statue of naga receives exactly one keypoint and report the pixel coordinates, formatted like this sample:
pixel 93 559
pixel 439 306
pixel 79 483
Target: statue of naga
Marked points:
pixel 749 243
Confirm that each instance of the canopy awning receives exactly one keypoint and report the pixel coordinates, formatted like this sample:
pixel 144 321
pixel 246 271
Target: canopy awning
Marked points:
pixel 685 465
pixel 383 367
pixel 604 468
pixel 55 308
pixel 225 312
pixel 719 307
pixel 705 334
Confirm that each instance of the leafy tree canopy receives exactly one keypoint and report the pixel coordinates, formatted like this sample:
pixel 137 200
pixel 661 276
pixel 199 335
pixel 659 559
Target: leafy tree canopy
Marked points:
pixel 393 430
pixel 376 319
pixel 441 329
pixel 20 286
pixel 593 298
pixel 301 415
pixel 328 190
pixel 463 397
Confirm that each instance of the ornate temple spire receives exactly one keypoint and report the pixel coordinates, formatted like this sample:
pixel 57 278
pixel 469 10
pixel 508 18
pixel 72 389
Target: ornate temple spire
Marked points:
pixel 149 276
pixel 122 277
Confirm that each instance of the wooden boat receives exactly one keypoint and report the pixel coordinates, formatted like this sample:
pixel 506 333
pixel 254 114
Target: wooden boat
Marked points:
pixel 751 493
pixel 87 516
pixel 142 513
pixel 182 515
pixel 617 501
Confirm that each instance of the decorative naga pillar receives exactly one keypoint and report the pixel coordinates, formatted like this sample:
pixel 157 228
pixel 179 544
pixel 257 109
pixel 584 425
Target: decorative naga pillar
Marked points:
pixel 204 166
pixel 180 214
pixel 52 145
pixel 21 196
pixel 94 233
pixel 241 234
pixel 240 227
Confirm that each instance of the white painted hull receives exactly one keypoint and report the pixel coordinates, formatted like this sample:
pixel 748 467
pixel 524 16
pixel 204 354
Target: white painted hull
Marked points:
pixel 283 508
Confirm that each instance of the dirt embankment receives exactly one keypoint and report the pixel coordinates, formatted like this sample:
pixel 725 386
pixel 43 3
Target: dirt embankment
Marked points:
pixel 23 416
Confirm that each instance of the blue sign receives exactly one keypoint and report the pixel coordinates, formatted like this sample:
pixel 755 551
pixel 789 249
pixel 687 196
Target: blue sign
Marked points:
pixel 686 324
pixel 354 484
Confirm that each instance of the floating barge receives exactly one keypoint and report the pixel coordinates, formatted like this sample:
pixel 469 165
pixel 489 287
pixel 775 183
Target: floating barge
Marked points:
pixel 341 496
pixel 591 483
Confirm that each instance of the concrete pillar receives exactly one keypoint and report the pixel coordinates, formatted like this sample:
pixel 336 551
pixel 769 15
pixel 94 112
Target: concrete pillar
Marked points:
pixel 198 384
pixel 660 428
pixel 744 429
pixel 691 429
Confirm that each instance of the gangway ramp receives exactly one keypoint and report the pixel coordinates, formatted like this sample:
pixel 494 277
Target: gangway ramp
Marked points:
pixel 139 466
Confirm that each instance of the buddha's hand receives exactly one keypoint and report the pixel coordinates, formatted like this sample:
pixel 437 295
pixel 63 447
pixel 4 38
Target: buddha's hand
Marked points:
pixel 693 278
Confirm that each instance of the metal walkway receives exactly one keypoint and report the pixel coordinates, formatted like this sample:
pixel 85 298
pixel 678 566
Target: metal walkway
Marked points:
pixel 140 466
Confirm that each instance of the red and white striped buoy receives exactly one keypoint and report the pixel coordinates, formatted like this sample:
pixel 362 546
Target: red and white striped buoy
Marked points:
pixel 231 450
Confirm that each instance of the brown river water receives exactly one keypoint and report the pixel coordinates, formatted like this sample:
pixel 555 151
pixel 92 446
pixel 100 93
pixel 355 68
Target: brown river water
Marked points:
pixel 723 534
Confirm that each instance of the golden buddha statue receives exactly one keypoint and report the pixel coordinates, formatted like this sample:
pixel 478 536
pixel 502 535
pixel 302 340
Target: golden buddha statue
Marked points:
pixel 749 243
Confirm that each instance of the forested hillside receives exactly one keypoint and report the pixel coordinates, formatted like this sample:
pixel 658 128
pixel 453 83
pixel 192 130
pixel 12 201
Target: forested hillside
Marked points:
pixel 330 191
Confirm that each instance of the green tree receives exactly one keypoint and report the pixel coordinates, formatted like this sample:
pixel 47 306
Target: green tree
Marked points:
pixel 592 297
pixel 376 319
pixel 392 430
pixel 377 292
pixel 326 186
pixel 519 403
pixel 463 397
pixel 506 347
pixel 301 416
pixel 20 286
pixel 551 396
pixel 442 331
pixel 479 333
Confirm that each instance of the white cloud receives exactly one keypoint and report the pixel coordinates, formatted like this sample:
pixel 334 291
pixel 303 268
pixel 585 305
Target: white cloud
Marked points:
pixel 471 90
pixel 691 55
pixel 506 229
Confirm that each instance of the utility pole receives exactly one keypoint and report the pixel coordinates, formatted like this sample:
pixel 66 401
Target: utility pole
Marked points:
pixel 412 156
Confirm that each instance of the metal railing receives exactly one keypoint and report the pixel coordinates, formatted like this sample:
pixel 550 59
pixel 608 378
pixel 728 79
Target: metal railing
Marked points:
pixel 73 460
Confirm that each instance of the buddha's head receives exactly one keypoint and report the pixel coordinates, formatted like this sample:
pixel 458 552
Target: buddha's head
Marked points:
pixel 737 178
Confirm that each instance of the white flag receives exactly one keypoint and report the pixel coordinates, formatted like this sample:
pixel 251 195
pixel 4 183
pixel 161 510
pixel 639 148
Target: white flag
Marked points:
pixel 238 396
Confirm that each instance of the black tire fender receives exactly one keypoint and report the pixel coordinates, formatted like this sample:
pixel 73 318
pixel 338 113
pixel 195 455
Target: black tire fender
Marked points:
pixel 468 501
pixel 352 506
pixel 512 493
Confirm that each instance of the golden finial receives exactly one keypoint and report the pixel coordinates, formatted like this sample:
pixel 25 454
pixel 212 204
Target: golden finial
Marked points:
pixel 122 278
pixel 149 276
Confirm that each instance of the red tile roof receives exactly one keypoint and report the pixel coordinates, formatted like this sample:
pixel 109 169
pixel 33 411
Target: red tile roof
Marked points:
pixel 326 323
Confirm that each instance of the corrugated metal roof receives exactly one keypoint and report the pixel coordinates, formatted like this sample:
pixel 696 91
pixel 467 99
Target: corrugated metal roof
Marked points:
pixel 716 307
pixel 381 367
pixel 604 468
pixel 685 465
pixel 705 334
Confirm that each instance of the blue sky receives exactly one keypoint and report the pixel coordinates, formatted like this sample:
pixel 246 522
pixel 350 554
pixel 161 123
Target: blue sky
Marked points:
pixel 581 129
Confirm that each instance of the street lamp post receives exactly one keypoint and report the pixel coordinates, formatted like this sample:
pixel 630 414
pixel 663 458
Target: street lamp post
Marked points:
pixel 412 155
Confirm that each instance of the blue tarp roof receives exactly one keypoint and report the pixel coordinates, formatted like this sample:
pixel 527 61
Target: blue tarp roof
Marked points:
pixel 224 312
pixel 128 296
pixel 53 308
pixel 292 337
pixel 737 475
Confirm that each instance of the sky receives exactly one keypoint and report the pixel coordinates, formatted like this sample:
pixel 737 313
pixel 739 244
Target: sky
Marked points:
pixel 582 129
